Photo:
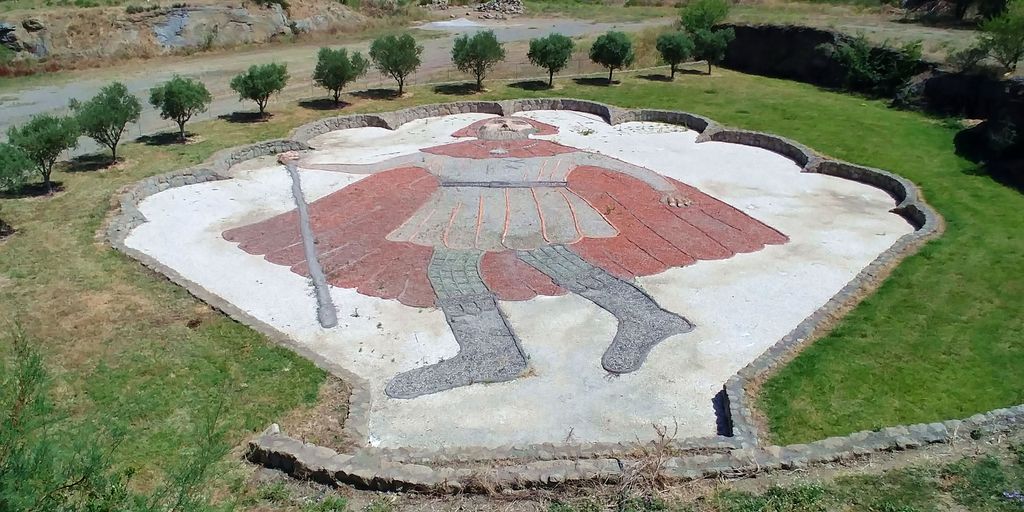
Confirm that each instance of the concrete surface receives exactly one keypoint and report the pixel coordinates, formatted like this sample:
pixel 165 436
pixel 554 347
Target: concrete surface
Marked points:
pixel 740 305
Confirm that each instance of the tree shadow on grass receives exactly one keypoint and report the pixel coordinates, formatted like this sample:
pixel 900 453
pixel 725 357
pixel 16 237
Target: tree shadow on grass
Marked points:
pixel 531 85
pixel 162 139
pixel 595 81
pixel 32 190
pixel 89 163
pixel 655 78
pixel 464 89
pixel 377 94
pixel 245 117
pixel 323 104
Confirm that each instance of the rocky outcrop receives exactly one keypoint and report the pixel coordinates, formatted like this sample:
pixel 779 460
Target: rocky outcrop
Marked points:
pixel 118 32
pixel 501 8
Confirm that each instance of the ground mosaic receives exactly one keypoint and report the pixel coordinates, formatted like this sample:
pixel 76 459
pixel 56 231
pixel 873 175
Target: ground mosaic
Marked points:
pixel 535 281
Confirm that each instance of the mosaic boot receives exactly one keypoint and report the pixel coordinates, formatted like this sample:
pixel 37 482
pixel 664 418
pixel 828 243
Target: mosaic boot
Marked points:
pixel 488 350
pixel 642 322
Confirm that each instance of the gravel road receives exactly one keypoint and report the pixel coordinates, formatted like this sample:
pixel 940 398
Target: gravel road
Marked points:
pixel 217 69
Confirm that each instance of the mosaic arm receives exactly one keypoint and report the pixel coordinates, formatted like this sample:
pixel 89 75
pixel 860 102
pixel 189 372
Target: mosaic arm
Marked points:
pixel 413 159
pixel 670 195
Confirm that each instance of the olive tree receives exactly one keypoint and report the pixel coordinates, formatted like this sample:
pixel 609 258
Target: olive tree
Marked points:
pixel 335 69
pixel 477 54
pixel 613 50
pixel 710 45
pixel 43 139
pixel 551 53
pixel 179 99
pixel 698 19
pixel 703 14
pixel 15 167
pixel 104 117
pixel 675 48
pixel 259 83
pixel 1003 36
pixel 396 56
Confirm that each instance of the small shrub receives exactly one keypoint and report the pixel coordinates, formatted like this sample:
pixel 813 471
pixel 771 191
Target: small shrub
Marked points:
pixel 880 71
pixel 612 50
pixel 477 54
pixel 276 492
pixel 328 504
pixel 1003 36
pixel 335 69
pixel 551 53
pixel 260 82
pixel 968 59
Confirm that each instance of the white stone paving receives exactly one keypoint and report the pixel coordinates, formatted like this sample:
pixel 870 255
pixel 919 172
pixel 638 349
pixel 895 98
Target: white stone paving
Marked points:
pixel 741 306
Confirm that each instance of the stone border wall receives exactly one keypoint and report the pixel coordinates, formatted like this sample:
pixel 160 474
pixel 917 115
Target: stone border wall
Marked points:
pixel 546 464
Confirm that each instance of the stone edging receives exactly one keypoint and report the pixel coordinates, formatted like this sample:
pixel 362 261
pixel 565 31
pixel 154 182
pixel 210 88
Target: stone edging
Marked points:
pixel 547 463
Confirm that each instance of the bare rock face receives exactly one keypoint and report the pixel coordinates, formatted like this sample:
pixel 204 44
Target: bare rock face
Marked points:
pixel 501 8
pixel 32 25
pixel 7 37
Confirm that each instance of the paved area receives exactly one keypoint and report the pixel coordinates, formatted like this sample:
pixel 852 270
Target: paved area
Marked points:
pixel 474 332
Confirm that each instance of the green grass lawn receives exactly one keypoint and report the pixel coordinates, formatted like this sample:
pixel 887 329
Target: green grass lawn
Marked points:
pixel 941 339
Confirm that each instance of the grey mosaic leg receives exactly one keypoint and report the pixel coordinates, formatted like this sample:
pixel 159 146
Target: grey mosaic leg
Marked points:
pixel 642 322
pixel 488 350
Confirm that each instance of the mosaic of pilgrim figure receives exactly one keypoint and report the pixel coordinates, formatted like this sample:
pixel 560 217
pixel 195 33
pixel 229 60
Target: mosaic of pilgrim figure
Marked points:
pixel 502 216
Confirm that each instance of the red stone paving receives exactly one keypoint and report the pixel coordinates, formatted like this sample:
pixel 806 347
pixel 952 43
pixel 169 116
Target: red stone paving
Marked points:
pixel 351 226
pixel 473 130
pixel 482 149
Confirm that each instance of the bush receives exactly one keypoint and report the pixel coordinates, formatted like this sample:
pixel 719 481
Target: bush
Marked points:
pixel 675 48
pixel 477 54
pixel 15 167
pixel 396 56
pixel 260 82
pixel 179 99
pixel 1003 36
pixel 104 117
pixel 551 53
pixel 967 60
pixel 43 139
pixel 613 50
pixel 334 69
pixel 703 15
pixel 881 71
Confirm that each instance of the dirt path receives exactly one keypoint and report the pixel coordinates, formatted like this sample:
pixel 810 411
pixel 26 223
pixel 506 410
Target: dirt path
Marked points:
pixel 216 70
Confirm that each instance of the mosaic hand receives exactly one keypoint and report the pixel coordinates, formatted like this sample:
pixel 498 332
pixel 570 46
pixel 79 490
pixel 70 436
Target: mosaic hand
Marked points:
pixel 674 200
